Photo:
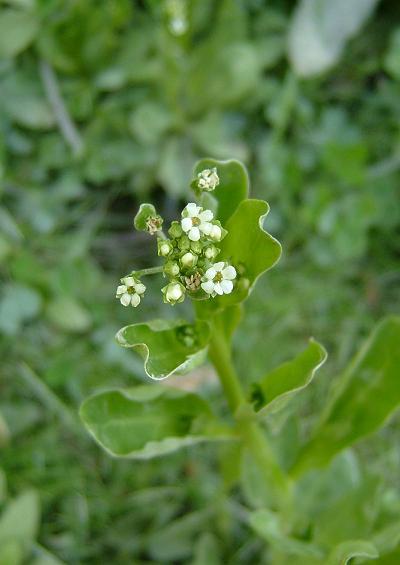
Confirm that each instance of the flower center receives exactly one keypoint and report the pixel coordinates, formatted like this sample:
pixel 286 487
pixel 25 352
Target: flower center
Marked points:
pixel 218 277
pixel 196 221
pixel 131 290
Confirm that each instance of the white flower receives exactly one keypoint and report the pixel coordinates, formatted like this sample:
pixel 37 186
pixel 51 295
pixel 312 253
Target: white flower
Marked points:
pixel 130 291
pixel 218 279
pixel 208 179
pixel 216 233
pixel 196 221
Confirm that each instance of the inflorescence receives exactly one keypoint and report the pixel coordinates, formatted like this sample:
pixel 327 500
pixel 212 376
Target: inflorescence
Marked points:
pixel 189 252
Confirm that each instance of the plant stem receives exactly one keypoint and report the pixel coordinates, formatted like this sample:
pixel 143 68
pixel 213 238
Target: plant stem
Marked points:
pixel 252 434
pixel 144 272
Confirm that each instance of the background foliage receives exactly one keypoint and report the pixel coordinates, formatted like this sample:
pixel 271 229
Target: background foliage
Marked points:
pixel 102 106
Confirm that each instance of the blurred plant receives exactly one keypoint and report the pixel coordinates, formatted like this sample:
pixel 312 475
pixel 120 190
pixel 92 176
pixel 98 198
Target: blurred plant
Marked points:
pixel 153 420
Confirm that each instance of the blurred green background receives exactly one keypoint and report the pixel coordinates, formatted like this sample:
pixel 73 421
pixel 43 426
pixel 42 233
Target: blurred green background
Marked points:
pixel 104 104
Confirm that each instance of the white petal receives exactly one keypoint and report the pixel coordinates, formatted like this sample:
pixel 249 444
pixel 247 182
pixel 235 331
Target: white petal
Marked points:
pixel 206 216
pixel 186 224
pixel 208 287
pixel 129 281
pixel 210 273
pixel 219 266
pixel 218 288
pixel 192 210
pixel 229 273
pixel 216 233
pixel 125 299
pixel 121 289
pixel 135 300
pixel 206 227
pixel 194 234
pixel 227 286
pixel 140 288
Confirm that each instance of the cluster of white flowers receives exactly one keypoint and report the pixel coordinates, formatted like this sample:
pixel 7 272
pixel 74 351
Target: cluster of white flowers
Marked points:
pixel 130 291
pixel 189 252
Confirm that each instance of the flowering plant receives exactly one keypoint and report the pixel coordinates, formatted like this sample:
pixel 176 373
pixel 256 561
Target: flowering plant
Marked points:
pixel 214 254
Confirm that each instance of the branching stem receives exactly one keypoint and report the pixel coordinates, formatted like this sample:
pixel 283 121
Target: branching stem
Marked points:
pixel 145 272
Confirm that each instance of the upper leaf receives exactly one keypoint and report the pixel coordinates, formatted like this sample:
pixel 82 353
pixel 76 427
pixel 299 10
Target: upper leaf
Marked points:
pixel 366 395
pixel 352 548
pixel 145 212
pixel 149 421
pixel 273 391
pixel 233 185
pixel 166 346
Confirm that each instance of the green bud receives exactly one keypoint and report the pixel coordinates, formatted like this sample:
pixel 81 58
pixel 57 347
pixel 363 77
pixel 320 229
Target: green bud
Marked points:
pixel 171 269
pixel 184 243
pixel 164 247
pixel 175 230
pixel 188 260
pixel 196 247
pixel 173 293
pixel 211 252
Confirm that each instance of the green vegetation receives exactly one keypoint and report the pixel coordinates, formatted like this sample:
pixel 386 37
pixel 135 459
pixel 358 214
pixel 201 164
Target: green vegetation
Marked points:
pixel 103 106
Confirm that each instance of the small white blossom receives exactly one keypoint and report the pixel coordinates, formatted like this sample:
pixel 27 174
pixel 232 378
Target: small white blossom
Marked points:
pixel 208 179
pixel 130 291
pixel 196 221
pixel 173 292
pixel 218 279
pixel 216 233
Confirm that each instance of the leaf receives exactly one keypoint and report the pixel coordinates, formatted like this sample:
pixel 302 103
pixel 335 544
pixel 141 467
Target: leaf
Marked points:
pixel 249 248
pixel 353 548
pixel 20 519
pixel 233 185
pixel 320 29
pixel 267 525
pixel 145 212
pixel 274 390
pixel 18 305
pixel 366 395
pixel 68 314
pixel 11 553
pixel 166 346
pixel 17 29
pixel 149 421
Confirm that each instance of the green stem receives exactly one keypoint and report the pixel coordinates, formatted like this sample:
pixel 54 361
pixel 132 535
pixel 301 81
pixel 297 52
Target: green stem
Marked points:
pixel 252 434
pixel 144 272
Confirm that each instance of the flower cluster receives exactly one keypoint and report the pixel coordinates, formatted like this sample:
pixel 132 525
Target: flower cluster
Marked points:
pixel 189 251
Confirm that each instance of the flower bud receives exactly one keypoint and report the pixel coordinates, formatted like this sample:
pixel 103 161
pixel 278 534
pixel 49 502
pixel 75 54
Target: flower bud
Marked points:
pixel 164 247
pixel 175 230
pixel 184 243
pixel 174 292
pixel 210 252
pixel 196 247
pixel 188 260
pixel 216 233
pixel 171 269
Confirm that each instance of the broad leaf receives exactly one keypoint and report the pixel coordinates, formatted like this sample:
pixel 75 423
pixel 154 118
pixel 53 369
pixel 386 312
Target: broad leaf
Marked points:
pixel 17 29
pixel 249 248
pixel 166 346
pixel 149 421
pixel 320 29
pixel 233 185
pixel 366 395
pixel 274 390
pixel 352 548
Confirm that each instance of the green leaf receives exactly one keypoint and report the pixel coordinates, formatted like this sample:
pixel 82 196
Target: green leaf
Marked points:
pixel 145 212
pixel 17 29
pixel 19 304
pixel 320 29
pixel 249 248
pixel 149 421
pixel 167 346
pixel 233 185
pixel 366 395
pixel 352 548
pixel 11 553
pixel 20 519
pixel 68 314
pixel 268 526
pixel 273 391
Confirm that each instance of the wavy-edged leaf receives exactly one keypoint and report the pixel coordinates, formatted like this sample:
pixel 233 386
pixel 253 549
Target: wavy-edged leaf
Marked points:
pixel 148 421
pixel 272 392
pixel 352 548
pixel 167 346
pixel 366 395
pixel 249 248
pixel 232 189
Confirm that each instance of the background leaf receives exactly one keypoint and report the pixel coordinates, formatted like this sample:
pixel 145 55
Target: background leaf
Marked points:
pixel 366 395
pixel 17 30
pixel 149 421
pixel 166 346
pixel 349 549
